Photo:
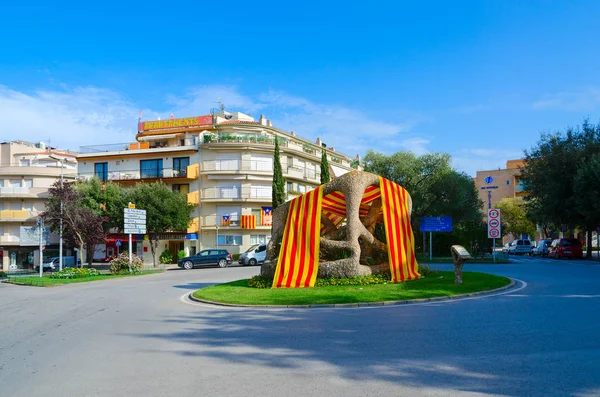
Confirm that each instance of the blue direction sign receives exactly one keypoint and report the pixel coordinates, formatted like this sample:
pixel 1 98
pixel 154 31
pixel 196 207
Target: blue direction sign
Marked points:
pixel 436 224
pixel 118 243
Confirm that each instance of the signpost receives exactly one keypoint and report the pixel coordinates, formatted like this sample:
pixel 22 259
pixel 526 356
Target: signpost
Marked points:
pixel 494 228
pixel 435 224
pixel 135 223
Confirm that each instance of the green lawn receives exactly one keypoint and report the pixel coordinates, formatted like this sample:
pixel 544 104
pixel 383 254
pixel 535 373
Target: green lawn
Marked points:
pixel 48 281
pixel 436 285
pixel 448 259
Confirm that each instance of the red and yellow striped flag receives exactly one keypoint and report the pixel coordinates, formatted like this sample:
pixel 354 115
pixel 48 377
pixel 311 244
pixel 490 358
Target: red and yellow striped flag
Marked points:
pixel 401 244
pixel 248 222
pixel 298 261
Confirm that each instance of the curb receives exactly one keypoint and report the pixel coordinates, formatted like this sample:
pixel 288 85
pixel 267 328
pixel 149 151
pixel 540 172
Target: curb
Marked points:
pixel 358 304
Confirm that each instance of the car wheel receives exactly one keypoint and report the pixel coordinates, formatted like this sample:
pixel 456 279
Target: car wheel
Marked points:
pixel 252 262
pixel 188 265
pixel 222 263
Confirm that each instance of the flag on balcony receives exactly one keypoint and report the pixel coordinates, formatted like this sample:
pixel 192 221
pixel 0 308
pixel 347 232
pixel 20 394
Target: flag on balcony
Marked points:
pixel 225 220
pixel 248 222
pixel 299 255
pixel 266 216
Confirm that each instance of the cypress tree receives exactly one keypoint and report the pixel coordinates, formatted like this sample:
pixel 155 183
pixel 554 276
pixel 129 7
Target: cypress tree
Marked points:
pixel 324 167
pixel 278 181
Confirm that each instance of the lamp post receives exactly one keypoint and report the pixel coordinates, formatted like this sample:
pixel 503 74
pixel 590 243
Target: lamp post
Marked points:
pixel 60 243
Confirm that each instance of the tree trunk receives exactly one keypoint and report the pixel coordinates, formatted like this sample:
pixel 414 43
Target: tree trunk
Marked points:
pixel 81 258
pixel 153 248
pixel 589 243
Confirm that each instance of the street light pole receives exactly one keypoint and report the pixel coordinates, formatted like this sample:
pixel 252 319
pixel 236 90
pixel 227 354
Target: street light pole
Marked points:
pixel 60 243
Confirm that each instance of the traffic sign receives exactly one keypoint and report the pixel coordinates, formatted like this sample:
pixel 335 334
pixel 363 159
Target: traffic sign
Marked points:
pixel 118 242
pixel 436 224
pixel 134 211
pixel 494 224
pixel 134 230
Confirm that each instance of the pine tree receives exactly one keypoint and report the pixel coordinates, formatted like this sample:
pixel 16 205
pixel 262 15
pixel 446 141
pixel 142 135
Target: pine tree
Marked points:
pixel 278 181
pixel 324 167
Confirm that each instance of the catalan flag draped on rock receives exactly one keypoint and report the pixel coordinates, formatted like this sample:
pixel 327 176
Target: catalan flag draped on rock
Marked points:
pixel 298 261
pixel 225 220
pixel 248 222
pixel 299 254
pixel 266 216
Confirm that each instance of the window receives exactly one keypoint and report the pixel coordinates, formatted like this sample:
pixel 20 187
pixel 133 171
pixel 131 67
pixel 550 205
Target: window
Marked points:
pixel 261 162
pixel 14 183
pixel 229 239
pixel 180 165
pixel 14 206
pixel 25 163
pixel 302 188
pixel 204 253
pixel 290 187
pixel 28 183
pixel 261 191
pixel 28 206
pixel 228 162
pixel 259 238
pixel 151 168
pixel 230 210
pixel 101 171
pixel 183 188
pixel 215 252
pixel 228 190
pixel 261 248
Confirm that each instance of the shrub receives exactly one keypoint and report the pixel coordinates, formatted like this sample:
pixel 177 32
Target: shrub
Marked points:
pixel 120 264
pixel 166 257
pixel 260 282
pixel 75 272
pixel 426 271
pixel 263 282
pixel 235 257
pixel 2 274
pixel 180 254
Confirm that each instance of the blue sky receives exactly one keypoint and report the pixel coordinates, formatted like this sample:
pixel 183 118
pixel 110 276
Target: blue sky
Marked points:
pixel 477 79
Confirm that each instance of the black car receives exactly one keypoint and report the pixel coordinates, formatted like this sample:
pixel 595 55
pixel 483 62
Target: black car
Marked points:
pixel 209 257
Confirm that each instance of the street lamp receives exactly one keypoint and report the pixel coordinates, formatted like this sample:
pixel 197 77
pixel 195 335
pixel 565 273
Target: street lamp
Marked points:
pixel 60 243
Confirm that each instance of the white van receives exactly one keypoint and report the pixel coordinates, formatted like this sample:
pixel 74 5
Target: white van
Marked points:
pixel 52 263
pixel 520 246
pixel 254 255
pixel 542 247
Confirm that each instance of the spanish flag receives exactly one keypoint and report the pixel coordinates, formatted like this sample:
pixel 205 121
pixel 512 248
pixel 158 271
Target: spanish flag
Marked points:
pixel 248 222
pixel 299 255
pixel 266 216
pixel 225 220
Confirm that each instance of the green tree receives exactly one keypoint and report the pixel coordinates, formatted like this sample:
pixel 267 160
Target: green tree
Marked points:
pixel 514 217
pixel 325 177
pixel 166 210
pixel 278 181
pixel 587 191
pixel 436 189
pixel 551 170
pixel 104 198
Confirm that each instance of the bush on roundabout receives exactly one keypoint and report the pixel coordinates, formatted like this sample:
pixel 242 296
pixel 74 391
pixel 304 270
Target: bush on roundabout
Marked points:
pixel 75 272
pixel 120 264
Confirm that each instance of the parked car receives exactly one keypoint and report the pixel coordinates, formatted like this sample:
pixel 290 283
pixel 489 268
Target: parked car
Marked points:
pixel 209 257
pixel 541 247
pixel 254 255
pixel 566 248
pixel 519 247
pixel 51 264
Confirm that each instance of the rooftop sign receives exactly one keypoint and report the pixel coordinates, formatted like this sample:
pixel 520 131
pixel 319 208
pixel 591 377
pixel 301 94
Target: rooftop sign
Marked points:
pixel 174 123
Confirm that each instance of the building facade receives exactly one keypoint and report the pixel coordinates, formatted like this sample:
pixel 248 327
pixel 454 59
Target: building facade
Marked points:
pixel 494 185
pixel 27 171
pixel 224 164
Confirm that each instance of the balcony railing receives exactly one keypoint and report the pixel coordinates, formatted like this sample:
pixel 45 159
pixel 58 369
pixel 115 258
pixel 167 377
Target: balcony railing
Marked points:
pixel 191 172
pixel 14 190
pixel 9 239
pixel 237 193
pixel 237 165
pixel 17 214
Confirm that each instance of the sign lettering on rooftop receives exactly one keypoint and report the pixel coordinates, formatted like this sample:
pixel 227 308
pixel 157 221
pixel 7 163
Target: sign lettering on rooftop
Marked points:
pixel 174 123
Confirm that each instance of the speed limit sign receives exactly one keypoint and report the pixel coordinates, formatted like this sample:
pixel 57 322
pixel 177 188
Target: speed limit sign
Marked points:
pixel 494 223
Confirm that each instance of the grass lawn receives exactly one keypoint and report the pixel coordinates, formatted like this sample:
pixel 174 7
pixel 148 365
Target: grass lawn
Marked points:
pixel 48 281
pixel 438 284
pixel 442 259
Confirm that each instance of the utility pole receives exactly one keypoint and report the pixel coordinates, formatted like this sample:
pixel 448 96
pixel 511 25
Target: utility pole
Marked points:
pixel 41 231
pixel 60 243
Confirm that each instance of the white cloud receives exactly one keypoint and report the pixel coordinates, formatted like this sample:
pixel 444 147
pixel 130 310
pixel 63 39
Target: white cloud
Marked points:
pixel 587 99
pixel 80 116
pixel 473 160
pixel 69 118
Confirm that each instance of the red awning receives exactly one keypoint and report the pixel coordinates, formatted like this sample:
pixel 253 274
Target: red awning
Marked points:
pixel 112 238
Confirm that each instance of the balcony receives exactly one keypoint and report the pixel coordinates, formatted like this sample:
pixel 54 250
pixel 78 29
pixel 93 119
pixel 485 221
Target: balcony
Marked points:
pixel 189 173
pixel 237 165
pixel 261 194
pixel 303 173
pixel 193 198
pixel 17 215
pixel 210 221
pixel 9 240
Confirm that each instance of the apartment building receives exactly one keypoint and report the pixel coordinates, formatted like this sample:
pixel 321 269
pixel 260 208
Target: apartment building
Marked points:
pixel 27 170
pixel 224 163
pixel 494 185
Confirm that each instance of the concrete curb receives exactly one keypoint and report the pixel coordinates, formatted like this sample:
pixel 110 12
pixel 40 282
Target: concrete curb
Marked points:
pixel 359 304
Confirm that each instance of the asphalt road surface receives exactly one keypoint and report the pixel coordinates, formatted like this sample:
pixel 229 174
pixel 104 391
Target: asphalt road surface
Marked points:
pixel 135 337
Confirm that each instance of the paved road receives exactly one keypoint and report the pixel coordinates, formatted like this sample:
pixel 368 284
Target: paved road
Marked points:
pixel 134 337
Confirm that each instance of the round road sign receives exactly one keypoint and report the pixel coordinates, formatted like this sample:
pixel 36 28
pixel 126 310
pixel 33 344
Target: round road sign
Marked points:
pixel 494 233
pixel 494 223
pixel 493 213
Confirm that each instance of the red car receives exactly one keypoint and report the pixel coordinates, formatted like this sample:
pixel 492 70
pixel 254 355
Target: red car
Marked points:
pixel 565 248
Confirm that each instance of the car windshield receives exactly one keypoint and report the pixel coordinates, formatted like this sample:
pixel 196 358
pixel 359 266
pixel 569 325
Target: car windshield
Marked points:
pixel 570 242
pixel 253 247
